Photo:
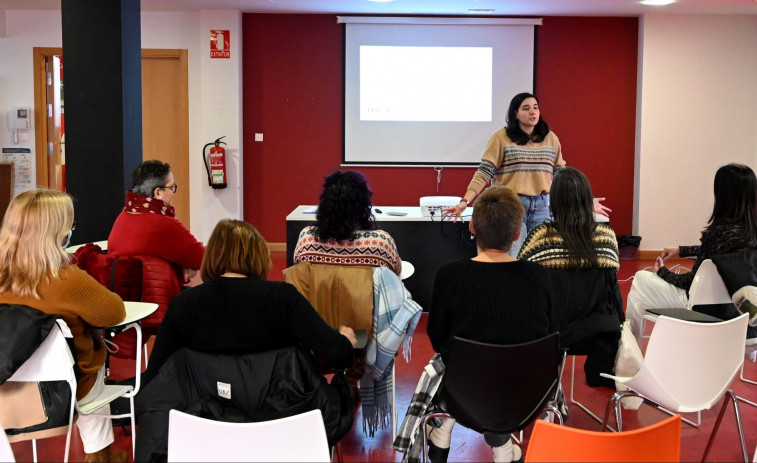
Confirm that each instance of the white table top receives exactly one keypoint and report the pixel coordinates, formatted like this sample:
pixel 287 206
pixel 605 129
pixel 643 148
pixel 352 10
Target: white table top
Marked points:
pixel 103 245
pixel 413 214
pixel 136 311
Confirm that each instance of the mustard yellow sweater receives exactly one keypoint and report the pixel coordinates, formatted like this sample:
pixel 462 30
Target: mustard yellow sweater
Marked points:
pixel 82 303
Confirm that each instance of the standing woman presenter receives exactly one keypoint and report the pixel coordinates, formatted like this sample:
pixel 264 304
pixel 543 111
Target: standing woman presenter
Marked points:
pixel 522 156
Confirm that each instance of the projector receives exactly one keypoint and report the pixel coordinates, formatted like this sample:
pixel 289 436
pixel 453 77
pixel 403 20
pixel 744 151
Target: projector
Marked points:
pixel 431 206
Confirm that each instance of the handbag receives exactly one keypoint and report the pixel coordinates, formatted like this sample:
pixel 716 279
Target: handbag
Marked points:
pixel 627 363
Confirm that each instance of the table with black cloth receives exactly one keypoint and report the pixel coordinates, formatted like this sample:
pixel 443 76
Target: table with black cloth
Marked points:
pixel 425 242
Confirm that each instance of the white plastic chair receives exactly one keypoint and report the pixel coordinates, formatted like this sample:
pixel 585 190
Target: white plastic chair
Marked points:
pixel 53 361
pixel 6 452
pixel 707 288
pixel 688 367
pixel 296 438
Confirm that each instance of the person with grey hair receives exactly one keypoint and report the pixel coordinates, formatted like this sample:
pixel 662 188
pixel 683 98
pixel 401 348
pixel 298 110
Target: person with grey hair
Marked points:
pixel 148 224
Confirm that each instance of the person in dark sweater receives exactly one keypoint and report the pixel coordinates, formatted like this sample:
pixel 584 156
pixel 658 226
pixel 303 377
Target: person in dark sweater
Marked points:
pixel 491 298
pixel 732 228
pixel 236 311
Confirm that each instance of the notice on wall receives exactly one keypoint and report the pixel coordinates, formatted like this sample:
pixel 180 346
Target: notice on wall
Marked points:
pixel 220 44
pixel 22 167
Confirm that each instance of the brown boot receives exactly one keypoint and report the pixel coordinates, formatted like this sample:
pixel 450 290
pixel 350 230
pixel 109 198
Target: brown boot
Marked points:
pixel 106 455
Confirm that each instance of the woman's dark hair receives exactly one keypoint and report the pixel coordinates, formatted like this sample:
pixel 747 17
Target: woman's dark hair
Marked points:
pixel 736 198
pixel 497 218
pixel 344 207
pixel 148 176
pixel 513 129
pixel 572 208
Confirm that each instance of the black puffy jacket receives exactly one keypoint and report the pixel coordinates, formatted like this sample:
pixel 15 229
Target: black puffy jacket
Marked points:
pixel 22 331
pixel 261 386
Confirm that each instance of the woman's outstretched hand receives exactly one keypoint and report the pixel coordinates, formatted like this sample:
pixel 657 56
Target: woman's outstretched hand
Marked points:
pixel 599 208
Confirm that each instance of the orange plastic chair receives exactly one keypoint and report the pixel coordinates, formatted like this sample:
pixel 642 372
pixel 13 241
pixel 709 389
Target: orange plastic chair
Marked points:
pixel 660 442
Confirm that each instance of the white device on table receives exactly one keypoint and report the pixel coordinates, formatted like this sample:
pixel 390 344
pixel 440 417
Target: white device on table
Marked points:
pixel 431 206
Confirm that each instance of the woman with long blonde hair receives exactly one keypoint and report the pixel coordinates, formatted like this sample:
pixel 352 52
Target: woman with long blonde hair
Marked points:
pixel 35 271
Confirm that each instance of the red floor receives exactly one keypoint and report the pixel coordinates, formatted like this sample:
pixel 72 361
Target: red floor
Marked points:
pixel 469 446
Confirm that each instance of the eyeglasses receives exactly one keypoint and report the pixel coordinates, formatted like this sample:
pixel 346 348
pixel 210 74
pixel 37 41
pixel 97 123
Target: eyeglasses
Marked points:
pixel 173 187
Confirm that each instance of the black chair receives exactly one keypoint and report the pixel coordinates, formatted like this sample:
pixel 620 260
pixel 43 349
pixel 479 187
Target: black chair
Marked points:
pixel 497 388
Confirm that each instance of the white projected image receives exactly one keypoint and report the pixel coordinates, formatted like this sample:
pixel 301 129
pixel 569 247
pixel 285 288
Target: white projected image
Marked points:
pixel 408 83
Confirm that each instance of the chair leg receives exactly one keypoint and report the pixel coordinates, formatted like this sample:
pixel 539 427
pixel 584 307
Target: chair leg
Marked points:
pixel 729 395
pixel 577 403
pixel 336 453
pixel 741 375
pixel 133 427
pixel 394 401
pixel 618 416
pixel 746 401
pixel 422 431
pixel 551 408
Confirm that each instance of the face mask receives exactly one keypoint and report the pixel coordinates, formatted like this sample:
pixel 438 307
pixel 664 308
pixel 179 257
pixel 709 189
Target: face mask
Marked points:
pixel 68 239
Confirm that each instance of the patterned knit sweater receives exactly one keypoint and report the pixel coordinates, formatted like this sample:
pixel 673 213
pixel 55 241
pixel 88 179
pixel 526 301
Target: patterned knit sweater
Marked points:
pixel 367 248
pixel 525 169
pixel 545 246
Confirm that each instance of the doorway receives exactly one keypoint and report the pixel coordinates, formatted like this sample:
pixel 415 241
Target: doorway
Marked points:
pixel 165 117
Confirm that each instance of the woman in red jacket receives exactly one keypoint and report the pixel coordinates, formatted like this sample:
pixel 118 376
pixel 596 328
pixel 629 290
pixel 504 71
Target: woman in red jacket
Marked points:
pixel 148 224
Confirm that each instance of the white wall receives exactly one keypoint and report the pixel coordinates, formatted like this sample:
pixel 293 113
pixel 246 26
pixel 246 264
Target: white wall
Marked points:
pixel 213 84
pixel 697 112
pixel 23 31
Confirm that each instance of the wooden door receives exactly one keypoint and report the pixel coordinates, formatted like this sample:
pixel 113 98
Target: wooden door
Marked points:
pixel 165 118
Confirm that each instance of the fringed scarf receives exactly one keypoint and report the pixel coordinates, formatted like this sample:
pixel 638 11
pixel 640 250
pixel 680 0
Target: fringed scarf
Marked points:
pixel 395 317
pixel 140 204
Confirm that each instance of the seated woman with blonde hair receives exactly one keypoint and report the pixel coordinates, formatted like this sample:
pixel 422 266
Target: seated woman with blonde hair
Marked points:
pixel 35 271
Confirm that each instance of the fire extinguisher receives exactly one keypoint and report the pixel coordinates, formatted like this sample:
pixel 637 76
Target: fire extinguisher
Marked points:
pixel 215 163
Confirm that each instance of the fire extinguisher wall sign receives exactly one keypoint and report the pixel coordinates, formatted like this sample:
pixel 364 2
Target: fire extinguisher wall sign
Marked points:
pixel 215 163
pixel 220 44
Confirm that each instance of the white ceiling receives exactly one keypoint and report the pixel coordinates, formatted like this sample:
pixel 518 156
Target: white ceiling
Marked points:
pixel 434 7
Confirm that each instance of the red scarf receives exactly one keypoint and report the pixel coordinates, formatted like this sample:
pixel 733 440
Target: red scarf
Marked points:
pixel 139 204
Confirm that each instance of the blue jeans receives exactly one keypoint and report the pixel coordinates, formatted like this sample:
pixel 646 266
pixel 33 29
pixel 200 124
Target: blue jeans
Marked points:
pixel 537 212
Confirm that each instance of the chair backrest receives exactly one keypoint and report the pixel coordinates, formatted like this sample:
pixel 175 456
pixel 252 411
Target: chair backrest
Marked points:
pixel 52 361
pixel 498 388
pixel 660 442
pixel 341 294
pixel 708 287
pixel 692 364
pixel 6 452
pixel 296 438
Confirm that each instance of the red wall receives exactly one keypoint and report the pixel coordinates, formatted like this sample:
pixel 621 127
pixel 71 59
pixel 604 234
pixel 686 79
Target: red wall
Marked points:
pixel 293 83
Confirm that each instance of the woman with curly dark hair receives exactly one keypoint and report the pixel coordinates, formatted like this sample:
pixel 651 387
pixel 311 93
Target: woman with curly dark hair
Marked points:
pixel 345 231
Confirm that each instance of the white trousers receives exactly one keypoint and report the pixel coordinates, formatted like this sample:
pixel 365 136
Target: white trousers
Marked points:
pixel 96 431
pixel 649 291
